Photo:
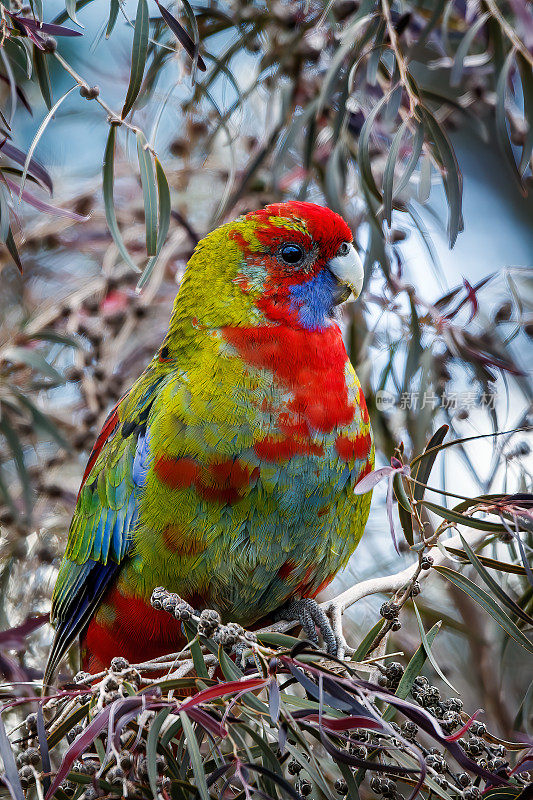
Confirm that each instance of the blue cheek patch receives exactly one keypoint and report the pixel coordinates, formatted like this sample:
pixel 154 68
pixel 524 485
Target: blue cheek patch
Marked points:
pixel 313 300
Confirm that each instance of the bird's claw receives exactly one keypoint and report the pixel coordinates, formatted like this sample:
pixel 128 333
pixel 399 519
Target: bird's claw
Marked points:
pixel 310 616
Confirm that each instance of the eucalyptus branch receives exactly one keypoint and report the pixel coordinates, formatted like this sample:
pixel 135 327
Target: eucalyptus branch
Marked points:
pixel 397 581
pixel 115 117
pixel 400 60
pixel 511 34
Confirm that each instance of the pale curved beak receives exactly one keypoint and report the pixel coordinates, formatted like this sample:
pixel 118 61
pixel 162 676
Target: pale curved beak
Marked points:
pixel 347 267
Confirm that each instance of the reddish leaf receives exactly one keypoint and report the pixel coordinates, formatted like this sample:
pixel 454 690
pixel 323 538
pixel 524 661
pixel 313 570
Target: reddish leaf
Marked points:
pixel 40 205
pixel 182 36
pixel 346 723
pixel 14 638
pixel 31 25
pixel 245 685
pixel 34 167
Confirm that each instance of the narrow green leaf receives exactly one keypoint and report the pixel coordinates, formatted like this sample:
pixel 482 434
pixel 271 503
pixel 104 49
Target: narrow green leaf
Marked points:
pixel 427 649
pixel 507 793
pixel 425 464
pixel 416 149
pixel 485 601
pixel 12 247
pixel 524 716
pixel 268 757
pixel 37 8
pixel 138 55
pixel 415 351
pixel 171 732
pixel 412 670
pixel 406 759
pixel 347 774
pixel 462 519
pixel 62 17
pixel 67 725
pixel 113 14
pixel 404 509
pixel 195 756
pixel 232 672
pixel 464 439
pixel 40 131
pixel 149 193
pixel 4 217
pixel 49 335
pixel 526 76
pixel 424 182
pixel 33 359
pixel 151 749
pixel 501 118
pixel 492 563
pixel 464 47
pixel 44 423
pixel 196 651
pixel 70 7
pixel 364 646
pixel 8 500
pixel 40 66
pixel 17 452
pixel 309 763
pixel 278 639
pixel 164 208
pixel 373 64
pixel 11 773
pixel 388 173
pixel 431 23
pixel 229 669
pixel 351 39
pixel 107 187
pixel 363 156
pixel 452 179
pixel 494 585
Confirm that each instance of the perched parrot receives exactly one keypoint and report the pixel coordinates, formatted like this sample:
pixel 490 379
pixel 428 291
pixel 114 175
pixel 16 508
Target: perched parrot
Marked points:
pixel 226 473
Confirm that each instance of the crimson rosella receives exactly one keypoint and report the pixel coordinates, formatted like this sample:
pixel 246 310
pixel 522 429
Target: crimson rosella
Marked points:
pixel 226 473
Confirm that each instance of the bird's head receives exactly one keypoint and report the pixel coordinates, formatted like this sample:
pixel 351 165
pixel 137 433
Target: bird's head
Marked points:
pixel 289 263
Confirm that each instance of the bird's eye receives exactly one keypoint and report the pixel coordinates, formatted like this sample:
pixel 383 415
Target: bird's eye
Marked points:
pixel 344 249
pixel 291 253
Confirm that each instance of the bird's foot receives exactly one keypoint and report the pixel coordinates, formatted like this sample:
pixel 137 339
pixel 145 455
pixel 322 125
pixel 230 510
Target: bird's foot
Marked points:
pixel 310 616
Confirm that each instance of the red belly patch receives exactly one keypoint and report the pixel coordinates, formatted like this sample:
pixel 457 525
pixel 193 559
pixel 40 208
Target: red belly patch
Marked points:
pixel 355 448
pixel 138 632
pixel 221 481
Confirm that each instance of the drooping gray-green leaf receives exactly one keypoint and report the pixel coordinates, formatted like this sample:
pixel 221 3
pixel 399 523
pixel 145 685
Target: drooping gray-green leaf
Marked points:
pixel 114 8
pixel 195 756
pixel 108 179
pixel 493 585
pixel 488 603
pixel 164 208
pixel 464 47
pixel 146 168
pixel 425 464
pixel 427 648
pixel 40 66
pixel 452 179
pixel 139 51
pixel 33 359
pixel 462 519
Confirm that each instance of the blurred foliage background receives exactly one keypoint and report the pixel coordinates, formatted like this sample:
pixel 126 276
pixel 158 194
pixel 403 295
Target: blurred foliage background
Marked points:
pixel 414 120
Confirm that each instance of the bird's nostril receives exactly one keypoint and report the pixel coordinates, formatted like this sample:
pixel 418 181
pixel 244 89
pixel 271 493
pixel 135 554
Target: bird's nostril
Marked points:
pixel 344 249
